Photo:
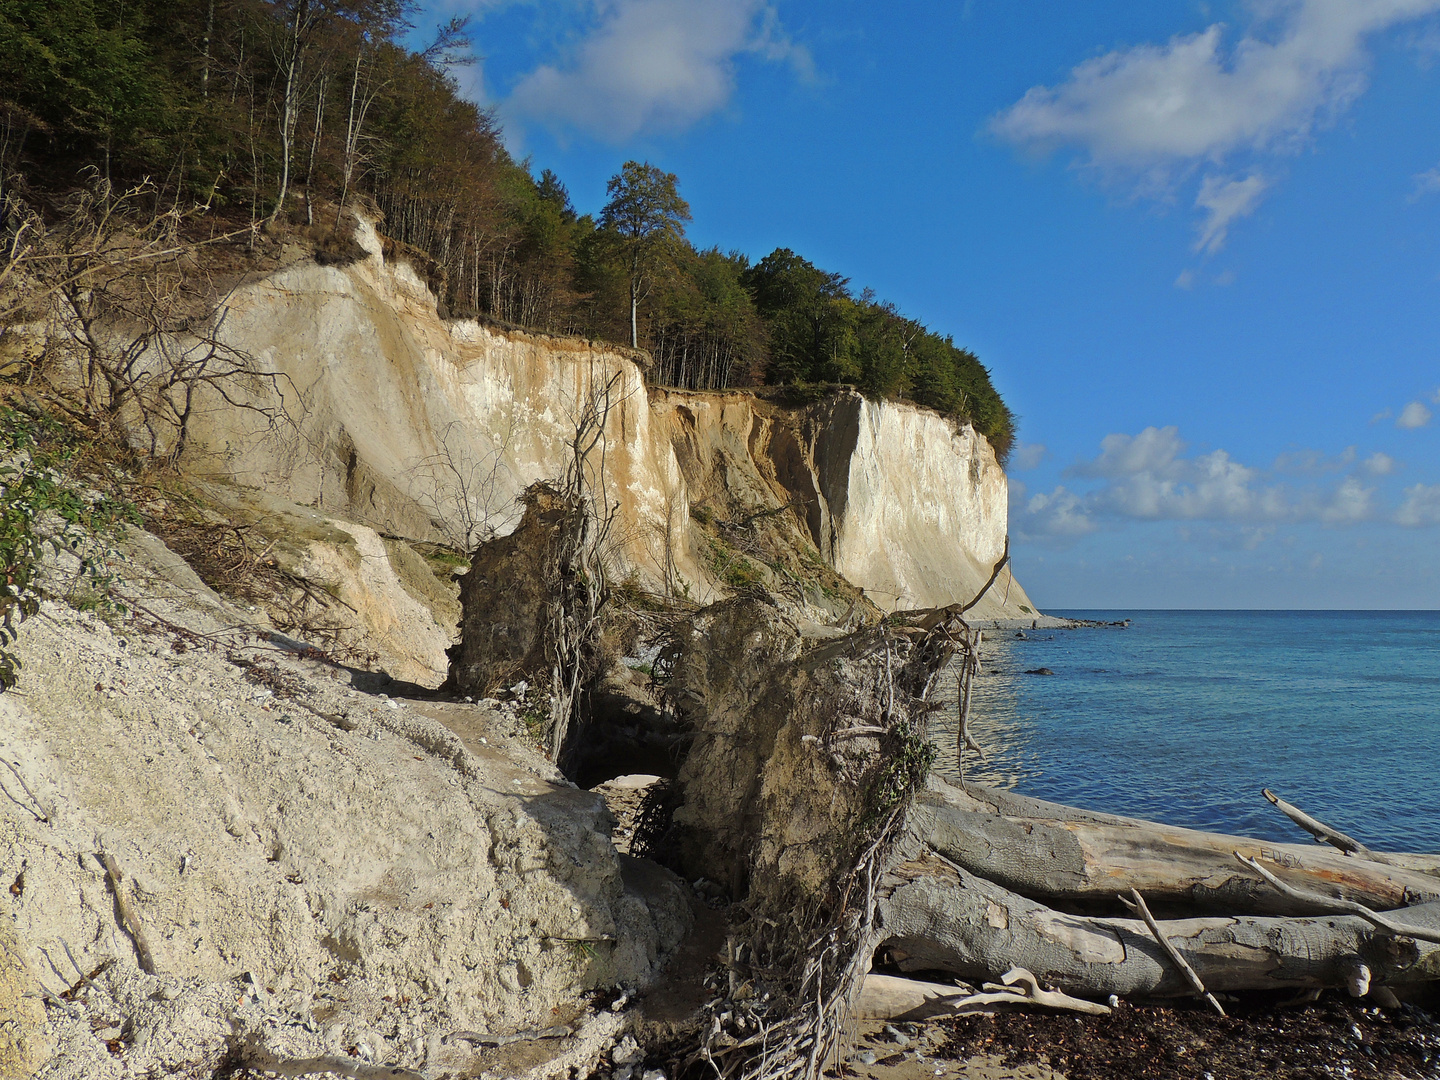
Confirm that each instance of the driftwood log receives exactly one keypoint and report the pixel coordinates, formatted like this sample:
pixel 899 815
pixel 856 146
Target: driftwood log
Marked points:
pixel 941 917
pixel 1055 853
pixel 988 880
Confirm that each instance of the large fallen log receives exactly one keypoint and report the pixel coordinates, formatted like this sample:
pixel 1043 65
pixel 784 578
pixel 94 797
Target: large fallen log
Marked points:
pixel 1058 854
pixel 963 795
pixel 940 917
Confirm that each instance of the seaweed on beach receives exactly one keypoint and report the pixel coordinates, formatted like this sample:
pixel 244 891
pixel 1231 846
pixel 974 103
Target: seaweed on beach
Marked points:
pixel 1332 1037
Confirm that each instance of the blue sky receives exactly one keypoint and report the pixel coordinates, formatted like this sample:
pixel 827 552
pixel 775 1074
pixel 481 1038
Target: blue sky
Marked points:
pixel 1197 244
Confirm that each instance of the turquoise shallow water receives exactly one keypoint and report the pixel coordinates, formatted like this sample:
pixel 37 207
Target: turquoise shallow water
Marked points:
pixel 1186 715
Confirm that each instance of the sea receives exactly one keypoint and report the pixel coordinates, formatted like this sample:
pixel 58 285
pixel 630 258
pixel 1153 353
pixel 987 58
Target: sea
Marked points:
pixel 1184 716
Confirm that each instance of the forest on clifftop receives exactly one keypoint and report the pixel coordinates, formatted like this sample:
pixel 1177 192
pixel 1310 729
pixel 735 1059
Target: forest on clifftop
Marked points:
pixel 275 113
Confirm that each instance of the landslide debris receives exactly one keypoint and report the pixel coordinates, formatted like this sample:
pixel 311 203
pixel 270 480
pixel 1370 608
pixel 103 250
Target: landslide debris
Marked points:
pixel 317 868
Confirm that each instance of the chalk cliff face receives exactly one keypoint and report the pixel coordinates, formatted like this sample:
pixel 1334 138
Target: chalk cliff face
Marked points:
pixel 426 428
pixel 918 506
pixel 904 503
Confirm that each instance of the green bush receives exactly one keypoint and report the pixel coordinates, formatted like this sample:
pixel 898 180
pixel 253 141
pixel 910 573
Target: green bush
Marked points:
pixel 43 509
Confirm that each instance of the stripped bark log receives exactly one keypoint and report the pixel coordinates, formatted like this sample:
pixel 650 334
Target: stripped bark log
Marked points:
pixel 940 917
pixel 1058 853
pixel 970 796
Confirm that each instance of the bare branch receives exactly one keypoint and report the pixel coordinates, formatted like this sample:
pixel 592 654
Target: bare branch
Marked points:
pixel 1137 904
pixel 1344 907
pixel 1323 833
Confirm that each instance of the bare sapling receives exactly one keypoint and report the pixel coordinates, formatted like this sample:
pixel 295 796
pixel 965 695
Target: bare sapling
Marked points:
pixel 465 494
pixel 581 585
pixel 131 322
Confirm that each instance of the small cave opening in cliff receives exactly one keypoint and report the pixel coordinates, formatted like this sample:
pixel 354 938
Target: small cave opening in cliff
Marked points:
pixel 620 734
pixel 629 750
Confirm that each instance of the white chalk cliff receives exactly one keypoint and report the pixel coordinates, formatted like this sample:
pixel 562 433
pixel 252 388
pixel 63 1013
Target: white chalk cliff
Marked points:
pixel 418 426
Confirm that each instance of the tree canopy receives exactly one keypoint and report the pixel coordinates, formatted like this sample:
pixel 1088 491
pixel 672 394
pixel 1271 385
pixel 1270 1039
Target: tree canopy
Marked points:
pixel 647 217
pixel 264 109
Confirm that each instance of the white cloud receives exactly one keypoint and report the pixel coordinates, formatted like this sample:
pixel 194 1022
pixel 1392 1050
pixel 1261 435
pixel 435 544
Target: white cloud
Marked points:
pixel 1185 280
pixel 1349 504
pixel 1421 506
pixel 655 65
pixel 1154 450
pixel 1435 397
pixel 1414 415
pixel 1212 486
pixel 1027 456
pixel 1057 514
pixel 1313 462
pixel 1223 200
pixel 1380 464
pixel 1150 476
pixel 1426 183
pixel 1188 100
pixel 1155 113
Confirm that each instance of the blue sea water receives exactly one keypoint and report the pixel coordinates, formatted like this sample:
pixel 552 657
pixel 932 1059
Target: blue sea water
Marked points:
pixel 1185 716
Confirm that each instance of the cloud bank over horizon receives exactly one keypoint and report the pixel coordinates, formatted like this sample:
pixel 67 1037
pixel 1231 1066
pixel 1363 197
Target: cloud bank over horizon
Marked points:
pixel 1152 477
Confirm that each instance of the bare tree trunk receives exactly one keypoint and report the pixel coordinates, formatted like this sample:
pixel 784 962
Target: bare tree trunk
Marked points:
pixel 1041 855
pixel 634 303
pixel 314 146
pixel 205 50
pixel 291 64
pixel 941 917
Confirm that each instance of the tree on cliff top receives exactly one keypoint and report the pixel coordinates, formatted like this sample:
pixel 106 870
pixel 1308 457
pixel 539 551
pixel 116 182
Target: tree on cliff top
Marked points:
pixel 647 216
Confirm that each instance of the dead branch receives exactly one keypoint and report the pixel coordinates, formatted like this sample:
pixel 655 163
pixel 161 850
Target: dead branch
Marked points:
pixel 478 1038
pixel 994 574
pixel 1137 903
pixel 1347 907
pixel 37 810
pixel 1018 986
pixel 129 918
pixel 1323 833
pixel 262 1060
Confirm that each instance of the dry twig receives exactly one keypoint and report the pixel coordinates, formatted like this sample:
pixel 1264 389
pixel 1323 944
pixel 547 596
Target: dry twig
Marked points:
pixel 1138 904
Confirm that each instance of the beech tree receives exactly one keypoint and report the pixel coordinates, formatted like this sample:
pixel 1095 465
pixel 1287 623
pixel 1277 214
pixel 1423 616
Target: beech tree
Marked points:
pixel 648 216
